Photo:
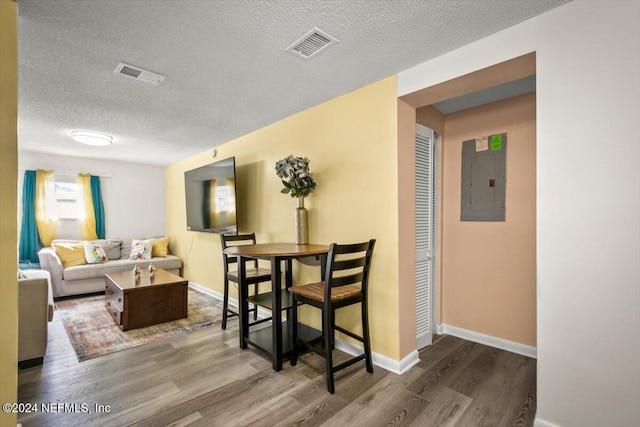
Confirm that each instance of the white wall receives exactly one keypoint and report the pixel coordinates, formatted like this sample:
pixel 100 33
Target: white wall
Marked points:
pixel 133 194
pixel 588 201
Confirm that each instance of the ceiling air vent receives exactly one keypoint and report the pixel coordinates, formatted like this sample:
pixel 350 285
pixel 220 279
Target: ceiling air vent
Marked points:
pixel 139 74
pixel 311 44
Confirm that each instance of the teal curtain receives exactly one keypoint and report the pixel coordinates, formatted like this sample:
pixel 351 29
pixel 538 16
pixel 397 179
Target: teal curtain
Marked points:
pixel 29 239
pixel 98 205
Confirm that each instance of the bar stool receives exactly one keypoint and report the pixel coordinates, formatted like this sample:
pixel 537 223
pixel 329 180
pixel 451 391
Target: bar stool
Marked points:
pixel 255 274
pixel 346 278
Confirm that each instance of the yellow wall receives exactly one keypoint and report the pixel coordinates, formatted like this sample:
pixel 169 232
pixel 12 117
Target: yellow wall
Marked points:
pixel 352 144
pixel 8 207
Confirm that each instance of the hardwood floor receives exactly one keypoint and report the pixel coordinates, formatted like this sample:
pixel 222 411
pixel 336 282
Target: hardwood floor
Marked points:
pixel 204 379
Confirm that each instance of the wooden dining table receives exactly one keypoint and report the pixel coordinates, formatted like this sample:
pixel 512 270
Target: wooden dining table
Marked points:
pixel 275 341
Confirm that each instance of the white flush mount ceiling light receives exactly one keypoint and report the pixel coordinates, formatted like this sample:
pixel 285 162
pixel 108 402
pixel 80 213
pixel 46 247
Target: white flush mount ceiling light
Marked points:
pixel 91 138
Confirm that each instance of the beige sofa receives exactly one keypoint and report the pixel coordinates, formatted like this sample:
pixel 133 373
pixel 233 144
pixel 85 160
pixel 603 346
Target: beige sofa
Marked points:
pixel 35 310
pixel 89 278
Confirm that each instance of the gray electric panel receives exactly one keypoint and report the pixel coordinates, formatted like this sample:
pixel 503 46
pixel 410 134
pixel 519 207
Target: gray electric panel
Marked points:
pixel 484 178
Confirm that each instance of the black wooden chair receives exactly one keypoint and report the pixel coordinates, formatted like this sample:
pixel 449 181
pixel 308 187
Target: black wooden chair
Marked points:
pixel 255 274
pixel 345 283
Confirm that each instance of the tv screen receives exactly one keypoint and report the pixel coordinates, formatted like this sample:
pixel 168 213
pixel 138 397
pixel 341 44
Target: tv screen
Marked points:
pixel 210 193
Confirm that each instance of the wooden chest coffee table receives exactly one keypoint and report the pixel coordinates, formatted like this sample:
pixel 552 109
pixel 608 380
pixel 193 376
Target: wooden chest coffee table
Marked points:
pixel 147 302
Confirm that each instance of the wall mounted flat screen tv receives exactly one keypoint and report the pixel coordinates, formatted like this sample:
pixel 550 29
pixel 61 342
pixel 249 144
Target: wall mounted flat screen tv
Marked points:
pixel 210 193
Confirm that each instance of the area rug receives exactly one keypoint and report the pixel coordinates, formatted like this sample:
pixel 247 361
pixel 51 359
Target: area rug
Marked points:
pixel 93 333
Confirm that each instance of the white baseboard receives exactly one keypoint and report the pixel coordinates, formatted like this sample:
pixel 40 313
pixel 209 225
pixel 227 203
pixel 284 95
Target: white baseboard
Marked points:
pixel 398 367
pixel 489 340
pixel 539 422
pixel 209 292
pixel 233 302
pixel 407 363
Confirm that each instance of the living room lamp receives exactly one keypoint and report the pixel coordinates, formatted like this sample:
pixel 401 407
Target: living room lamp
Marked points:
pixel 91 138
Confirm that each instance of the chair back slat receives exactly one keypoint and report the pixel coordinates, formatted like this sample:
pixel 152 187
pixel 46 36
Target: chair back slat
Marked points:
pixel 249 237
pixel 352 248
pixel 236 240
pixel 351 268
pixel 347 280
pixel 348 264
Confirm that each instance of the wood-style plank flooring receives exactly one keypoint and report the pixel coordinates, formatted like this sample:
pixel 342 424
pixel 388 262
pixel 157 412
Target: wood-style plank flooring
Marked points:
pixel 204 379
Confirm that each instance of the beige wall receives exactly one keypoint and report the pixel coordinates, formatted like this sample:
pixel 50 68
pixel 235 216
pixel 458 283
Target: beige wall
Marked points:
pixel 352 144
pixel 407 226
pixel 407 119
pixel 425 114
pixel 471 293
pixel 8 209
pixel 116 188
pixel 491 75
pixel 431 118
pixel 489 268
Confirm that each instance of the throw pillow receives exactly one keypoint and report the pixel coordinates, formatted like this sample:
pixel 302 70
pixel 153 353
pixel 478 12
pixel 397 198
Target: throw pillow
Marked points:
pixel 140 249
pixel 94 253
pixel 160 247
pixel 70 255
pixel 112 248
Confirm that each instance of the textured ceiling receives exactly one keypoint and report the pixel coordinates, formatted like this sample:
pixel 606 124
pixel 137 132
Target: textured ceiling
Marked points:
pixel 225 61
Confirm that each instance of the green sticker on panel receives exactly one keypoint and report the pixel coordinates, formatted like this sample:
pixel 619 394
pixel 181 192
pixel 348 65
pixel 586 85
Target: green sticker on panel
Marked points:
pixel 496 142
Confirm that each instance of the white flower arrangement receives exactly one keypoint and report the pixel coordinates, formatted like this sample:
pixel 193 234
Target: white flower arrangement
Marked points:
pixel 295 176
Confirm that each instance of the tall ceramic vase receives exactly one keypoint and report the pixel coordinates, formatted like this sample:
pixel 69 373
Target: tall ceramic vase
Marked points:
pixel 302 224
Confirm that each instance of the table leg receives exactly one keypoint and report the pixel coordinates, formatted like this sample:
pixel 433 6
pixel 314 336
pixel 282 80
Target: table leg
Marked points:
pixel 243 304
pixel 276 315
pixel 288 273
pixel 292 313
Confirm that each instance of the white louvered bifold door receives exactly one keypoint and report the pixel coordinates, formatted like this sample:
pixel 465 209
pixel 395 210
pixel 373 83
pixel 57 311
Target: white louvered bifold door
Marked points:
pixel 425 233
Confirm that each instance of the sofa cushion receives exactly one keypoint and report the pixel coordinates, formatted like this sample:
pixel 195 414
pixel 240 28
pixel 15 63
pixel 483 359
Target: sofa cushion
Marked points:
pixel 92 271
pixel 70 254
pixel 125 248
pixel 66 242
pixel 112 247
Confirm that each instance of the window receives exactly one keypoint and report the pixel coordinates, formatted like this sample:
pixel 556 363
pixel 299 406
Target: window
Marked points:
pixel 69 200
pixel 222 196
